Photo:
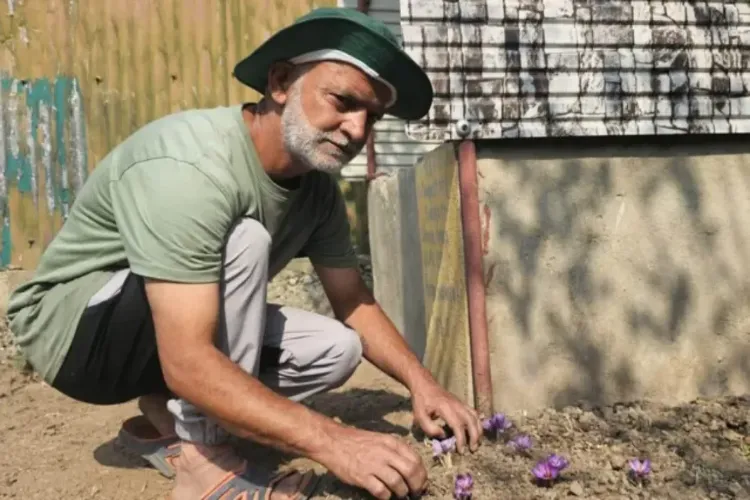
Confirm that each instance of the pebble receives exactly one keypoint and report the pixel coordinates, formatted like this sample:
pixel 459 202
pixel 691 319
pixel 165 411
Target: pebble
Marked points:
pixel 736 489
pixel 576 489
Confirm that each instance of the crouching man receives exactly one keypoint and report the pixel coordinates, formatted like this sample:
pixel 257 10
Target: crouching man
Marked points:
pixel 155 287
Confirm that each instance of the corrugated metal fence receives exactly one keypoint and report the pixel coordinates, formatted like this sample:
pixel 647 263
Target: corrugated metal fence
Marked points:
pixel 78 76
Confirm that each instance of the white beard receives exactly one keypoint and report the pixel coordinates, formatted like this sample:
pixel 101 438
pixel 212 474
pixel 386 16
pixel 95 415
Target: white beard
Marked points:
pixel 304 141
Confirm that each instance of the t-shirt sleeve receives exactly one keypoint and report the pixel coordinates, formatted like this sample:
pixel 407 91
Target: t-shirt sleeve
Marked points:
pixel 173 220
pixel 330 244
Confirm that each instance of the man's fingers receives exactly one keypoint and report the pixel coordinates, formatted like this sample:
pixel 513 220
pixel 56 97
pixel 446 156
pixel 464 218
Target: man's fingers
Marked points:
pixel 428 425
pixel 457 424
pixel 377 488
pixel 393 479
pixel 474 428
pixel 409 465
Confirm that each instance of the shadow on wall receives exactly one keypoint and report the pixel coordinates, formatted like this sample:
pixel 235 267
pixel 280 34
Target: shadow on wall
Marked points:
pixel 617 271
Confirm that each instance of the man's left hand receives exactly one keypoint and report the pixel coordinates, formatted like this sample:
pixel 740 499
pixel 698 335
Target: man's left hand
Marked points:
pixel 430 402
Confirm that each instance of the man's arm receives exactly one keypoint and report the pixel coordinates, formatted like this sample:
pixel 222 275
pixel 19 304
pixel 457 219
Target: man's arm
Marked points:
pixel 386 348
pixel 195 370
pixel 185 319
pixel 383 345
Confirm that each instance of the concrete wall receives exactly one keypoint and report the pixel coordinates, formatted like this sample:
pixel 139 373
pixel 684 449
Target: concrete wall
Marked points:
pixel 417 259
pixel 79 76
pixel 617 270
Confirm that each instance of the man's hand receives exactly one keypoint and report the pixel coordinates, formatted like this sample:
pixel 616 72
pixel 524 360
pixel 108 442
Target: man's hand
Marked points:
pixel 430 401
pixel 382 464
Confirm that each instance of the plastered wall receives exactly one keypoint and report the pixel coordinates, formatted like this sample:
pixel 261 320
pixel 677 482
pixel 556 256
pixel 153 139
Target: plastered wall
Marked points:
pixel 616 270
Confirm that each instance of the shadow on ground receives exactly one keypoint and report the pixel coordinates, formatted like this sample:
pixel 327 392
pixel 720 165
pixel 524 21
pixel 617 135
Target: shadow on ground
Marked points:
pixel 366 409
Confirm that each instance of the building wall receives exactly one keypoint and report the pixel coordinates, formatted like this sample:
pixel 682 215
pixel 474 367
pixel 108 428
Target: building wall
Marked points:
pixel 618 270
pixel 79 76
pixel 614 271
pixel 393 148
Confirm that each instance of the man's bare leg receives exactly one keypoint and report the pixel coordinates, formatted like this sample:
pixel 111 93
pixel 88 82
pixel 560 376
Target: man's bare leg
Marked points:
pixel 201 467
pixel 154 408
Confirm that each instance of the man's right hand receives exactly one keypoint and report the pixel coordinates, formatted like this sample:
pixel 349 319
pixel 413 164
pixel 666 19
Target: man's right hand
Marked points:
pixel 382 464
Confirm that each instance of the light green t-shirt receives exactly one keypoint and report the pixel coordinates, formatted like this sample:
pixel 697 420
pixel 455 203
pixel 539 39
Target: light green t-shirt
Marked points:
pixel 162 203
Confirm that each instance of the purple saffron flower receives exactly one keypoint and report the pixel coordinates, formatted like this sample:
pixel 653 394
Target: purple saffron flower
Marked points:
pixel 520 443
pixel 549 469
pixel 557 462
pixel 440 446
pixel 463 486
pixel 543 471
pixel 640 469
pixel 497 424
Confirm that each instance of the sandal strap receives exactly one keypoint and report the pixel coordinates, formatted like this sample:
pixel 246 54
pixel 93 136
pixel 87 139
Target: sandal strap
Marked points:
pixel 250 484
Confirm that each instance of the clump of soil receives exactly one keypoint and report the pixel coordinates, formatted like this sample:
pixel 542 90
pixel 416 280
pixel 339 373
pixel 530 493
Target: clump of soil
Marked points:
pixel 697 450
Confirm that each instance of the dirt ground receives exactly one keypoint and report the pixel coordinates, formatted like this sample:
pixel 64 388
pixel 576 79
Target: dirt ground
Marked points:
pixel 57 448
pixel 54 447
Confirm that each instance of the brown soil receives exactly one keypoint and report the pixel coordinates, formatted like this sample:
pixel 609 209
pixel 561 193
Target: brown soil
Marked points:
pixel 54 447
pixel 57 448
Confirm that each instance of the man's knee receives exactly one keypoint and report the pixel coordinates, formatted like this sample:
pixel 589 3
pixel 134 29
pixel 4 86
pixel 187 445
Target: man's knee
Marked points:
pixel 345 353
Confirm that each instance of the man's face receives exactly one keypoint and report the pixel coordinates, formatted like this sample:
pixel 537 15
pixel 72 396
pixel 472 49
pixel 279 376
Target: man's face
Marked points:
pixel 328 114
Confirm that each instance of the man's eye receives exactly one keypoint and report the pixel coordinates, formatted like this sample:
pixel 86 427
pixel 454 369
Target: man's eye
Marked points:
pixel 344 101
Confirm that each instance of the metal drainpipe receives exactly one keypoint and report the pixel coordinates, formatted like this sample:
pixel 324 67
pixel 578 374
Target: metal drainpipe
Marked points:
pixel 475 289
pixel 364 6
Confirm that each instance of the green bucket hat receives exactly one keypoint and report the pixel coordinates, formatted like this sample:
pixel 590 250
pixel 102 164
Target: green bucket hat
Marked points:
pixel 345 35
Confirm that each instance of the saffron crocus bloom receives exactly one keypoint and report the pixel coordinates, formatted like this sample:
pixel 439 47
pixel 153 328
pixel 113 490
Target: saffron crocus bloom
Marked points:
pixel 441 446
pixel 544 471
pixel 497 424
pixel 640 469
pixel 549 469
pixel 441 449
pixel 557 462
pixel 520 443
pixel 463 486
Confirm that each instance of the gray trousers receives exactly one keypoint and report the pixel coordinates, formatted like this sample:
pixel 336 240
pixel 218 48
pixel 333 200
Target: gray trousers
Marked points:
pixel 317 353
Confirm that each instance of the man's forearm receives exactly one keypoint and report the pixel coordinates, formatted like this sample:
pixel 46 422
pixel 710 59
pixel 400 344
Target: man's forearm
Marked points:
pixel 383 345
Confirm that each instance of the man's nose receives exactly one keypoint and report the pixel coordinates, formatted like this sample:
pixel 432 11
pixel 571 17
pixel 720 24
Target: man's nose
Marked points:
pixel 356 126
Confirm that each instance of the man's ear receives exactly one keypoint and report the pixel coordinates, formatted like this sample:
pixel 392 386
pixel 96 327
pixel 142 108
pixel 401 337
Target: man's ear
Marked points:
pixel 280 78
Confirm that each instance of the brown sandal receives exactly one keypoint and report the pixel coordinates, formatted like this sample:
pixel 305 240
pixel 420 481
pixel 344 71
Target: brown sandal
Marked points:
pixel 138 436
pixel 251 484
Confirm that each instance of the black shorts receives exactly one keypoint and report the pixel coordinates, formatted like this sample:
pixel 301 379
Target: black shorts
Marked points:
pixel 113 357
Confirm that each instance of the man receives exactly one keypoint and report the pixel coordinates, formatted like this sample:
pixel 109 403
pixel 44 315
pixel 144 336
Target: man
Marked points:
pixel 155 287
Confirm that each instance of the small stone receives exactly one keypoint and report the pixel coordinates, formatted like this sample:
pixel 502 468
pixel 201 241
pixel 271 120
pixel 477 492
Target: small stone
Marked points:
pixel 715 425
pixel 731 435
pixel 576 489
pixel 588 421
pixel 687 478
pixel 617 462
pixel 571 410
pixel 736 489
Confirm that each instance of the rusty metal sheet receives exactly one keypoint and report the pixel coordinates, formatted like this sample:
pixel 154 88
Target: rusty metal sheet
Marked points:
pixel 79 76
pixel 548 68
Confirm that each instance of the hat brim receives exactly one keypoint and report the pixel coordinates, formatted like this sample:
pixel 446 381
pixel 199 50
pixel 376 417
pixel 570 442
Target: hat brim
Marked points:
pixel 412 85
